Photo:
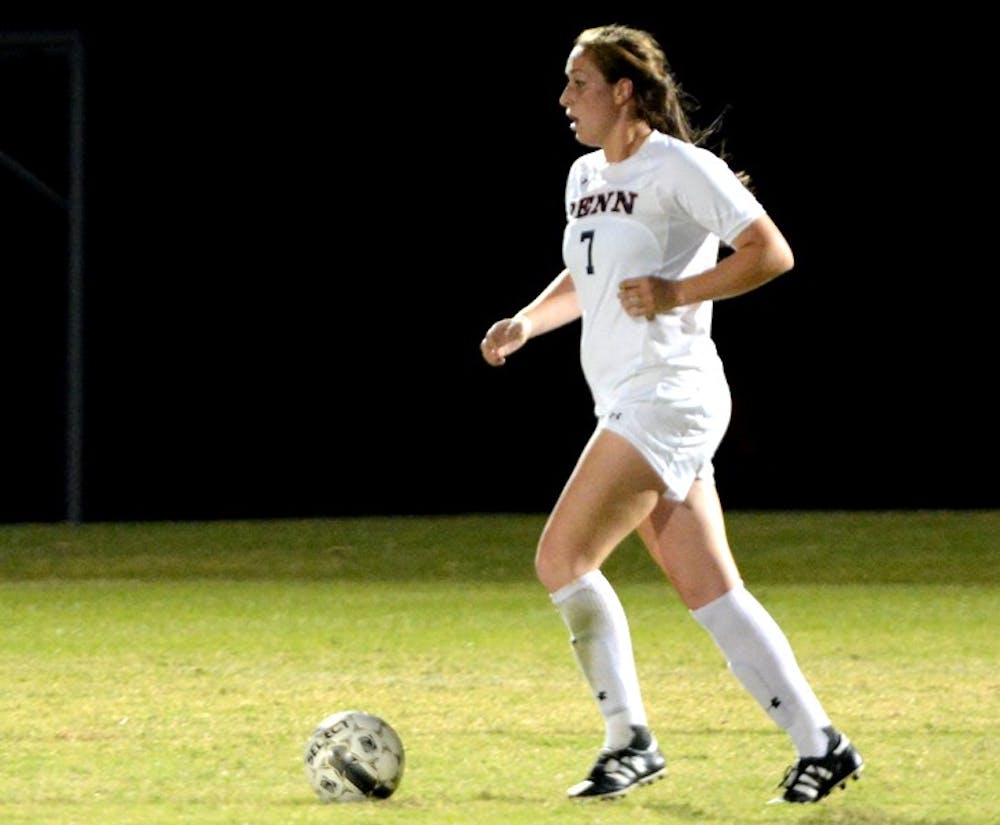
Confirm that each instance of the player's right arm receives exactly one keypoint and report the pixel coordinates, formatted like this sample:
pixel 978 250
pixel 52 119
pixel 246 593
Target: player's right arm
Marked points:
pixel 555 306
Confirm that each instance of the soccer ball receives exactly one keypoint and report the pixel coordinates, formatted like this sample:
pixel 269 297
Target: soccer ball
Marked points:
pixel 352 756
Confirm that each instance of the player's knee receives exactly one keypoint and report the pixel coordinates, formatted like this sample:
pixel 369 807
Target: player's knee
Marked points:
pixel 546 572
pixel 550 566
pixel 555 567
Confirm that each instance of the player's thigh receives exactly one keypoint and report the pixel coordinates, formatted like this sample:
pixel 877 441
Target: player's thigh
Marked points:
pixel 688 541
pixel 610 491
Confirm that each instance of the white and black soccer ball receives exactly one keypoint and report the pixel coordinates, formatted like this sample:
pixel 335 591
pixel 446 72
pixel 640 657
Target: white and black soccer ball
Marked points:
pixel 353 756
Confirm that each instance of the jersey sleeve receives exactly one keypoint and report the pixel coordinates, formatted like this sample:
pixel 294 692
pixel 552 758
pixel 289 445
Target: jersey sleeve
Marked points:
pixel 704 188
pixel 573 185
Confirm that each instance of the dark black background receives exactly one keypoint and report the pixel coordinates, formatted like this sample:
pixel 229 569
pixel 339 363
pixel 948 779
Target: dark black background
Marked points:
pixel 298 230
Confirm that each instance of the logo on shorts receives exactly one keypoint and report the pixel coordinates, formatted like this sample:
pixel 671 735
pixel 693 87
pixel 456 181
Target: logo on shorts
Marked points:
pixel 615 416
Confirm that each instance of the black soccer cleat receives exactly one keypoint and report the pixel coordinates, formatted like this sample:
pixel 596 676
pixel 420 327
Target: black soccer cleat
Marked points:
pixel 615 773
pixel 813 777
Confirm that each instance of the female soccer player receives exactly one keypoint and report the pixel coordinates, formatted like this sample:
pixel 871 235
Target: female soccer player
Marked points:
pixel 646 212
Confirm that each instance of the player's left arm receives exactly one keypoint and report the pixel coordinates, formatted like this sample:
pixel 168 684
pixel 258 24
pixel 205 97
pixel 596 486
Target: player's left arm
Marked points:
pixel 760 254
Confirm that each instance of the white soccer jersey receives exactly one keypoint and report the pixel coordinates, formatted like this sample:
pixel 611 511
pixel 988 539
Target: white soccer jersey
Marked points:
pixel 660 212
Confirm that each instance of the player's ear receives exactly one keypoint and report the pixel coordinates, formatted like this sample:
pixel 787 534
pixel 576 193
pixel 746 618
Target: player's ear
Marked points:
pixel 623 89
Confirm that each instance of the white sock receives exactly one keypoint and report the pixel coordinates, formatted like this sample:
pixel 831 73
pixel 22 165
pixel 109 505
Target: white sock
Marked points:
pixel 760 656
pixel 602 645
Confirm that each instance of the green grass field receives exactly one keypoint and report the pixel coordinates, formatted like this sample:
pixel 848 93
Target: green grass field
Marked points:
pixel 172 672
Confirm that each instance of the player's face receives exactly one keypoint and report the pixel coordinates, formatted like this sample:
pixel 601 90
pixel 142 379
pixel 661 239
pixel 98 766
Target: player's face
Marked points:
pixel 588 99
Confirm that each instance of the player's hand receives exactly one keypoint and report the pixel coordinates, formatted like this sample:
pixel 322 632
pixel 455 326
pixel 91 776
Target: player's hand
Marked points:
pixel 505 337
pixel 644 297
